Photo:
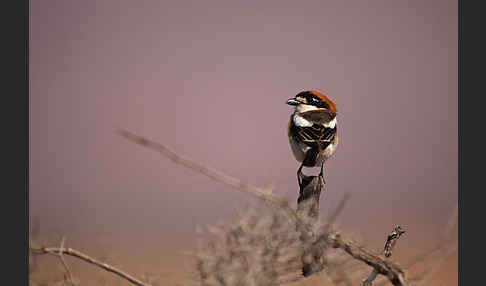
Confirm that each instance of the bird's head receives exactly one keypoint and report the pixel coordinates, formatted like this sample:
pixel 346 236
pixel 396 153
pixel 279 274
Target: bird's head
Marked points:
pixel 312 101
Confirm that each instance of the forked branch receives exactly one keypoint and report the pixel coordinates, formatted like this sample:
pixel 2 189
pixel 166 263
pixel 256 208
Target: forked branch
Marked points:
pixel 387 251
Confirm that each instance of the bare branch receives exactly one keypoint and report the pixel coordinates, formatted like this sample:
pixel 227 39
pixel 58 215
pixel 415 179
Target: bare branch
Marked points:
pixel 262 193
pixel 394 272
pixel 314 258
pixel 387 251
pixel 61 257
pixel 392 239
pixel 391 270
pixel 214 174
pixel 75 253
pixel 369 281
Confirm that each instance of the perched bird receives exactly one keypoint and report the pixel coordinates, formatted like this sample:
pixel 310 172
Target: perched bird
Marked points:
pixel 312 130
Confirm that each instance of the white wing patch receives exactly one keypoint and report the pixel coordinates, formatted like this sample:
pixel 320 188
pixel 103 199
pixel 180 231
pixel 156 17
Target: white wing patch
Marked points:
pixel 301 121
pixel 331 124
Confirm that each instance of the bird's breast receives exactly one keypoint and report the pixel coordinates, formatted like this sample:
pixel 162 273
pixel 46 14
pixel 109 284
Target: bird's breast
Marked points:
pixel 301 121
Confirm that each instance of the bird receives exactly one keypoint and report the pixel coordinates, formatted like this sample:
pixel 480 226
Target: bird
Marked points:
pixel 312 130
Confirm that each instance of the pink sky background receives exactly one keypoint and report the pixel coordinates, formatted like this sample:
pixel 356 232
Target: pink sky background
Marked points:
pixel 210 80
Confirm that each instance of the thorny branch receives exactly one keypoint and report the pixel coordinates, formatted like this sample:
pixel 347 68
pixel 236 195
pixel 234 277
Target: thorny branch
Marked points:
pixel 332 238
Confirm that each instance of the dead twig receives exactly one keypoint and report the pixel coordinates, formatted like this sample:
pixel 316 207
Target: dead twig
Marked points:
pixel 369 281
pixel 61 257
pixel 391 270
pixel 314 258
pixel 262 193
pixel 387 251
pixel 392 239
pixel 59 251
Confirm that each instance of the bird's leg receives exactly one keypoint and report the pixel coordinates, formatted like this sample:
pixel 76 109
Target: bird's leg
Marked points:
pixel 299 174
pixel 321 174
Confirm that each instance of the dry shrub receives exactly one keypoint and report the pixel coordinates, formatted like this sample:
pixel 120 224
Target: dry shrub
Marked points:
pixel 260 247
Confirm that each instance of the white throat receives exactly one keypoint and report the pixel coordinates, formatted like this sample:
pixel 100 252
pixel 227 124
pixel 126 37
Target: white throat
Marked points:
pixel 302 122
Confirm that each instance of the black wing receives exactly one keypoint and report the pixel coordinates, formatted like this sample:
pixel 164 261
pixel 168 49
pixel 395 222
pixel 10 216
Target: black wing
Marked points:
pixel 313 136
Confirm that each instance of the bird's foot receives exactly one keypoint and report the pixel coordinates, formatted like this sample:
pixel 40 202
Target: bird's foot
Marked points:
pixel 300 177
pixel 321 176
